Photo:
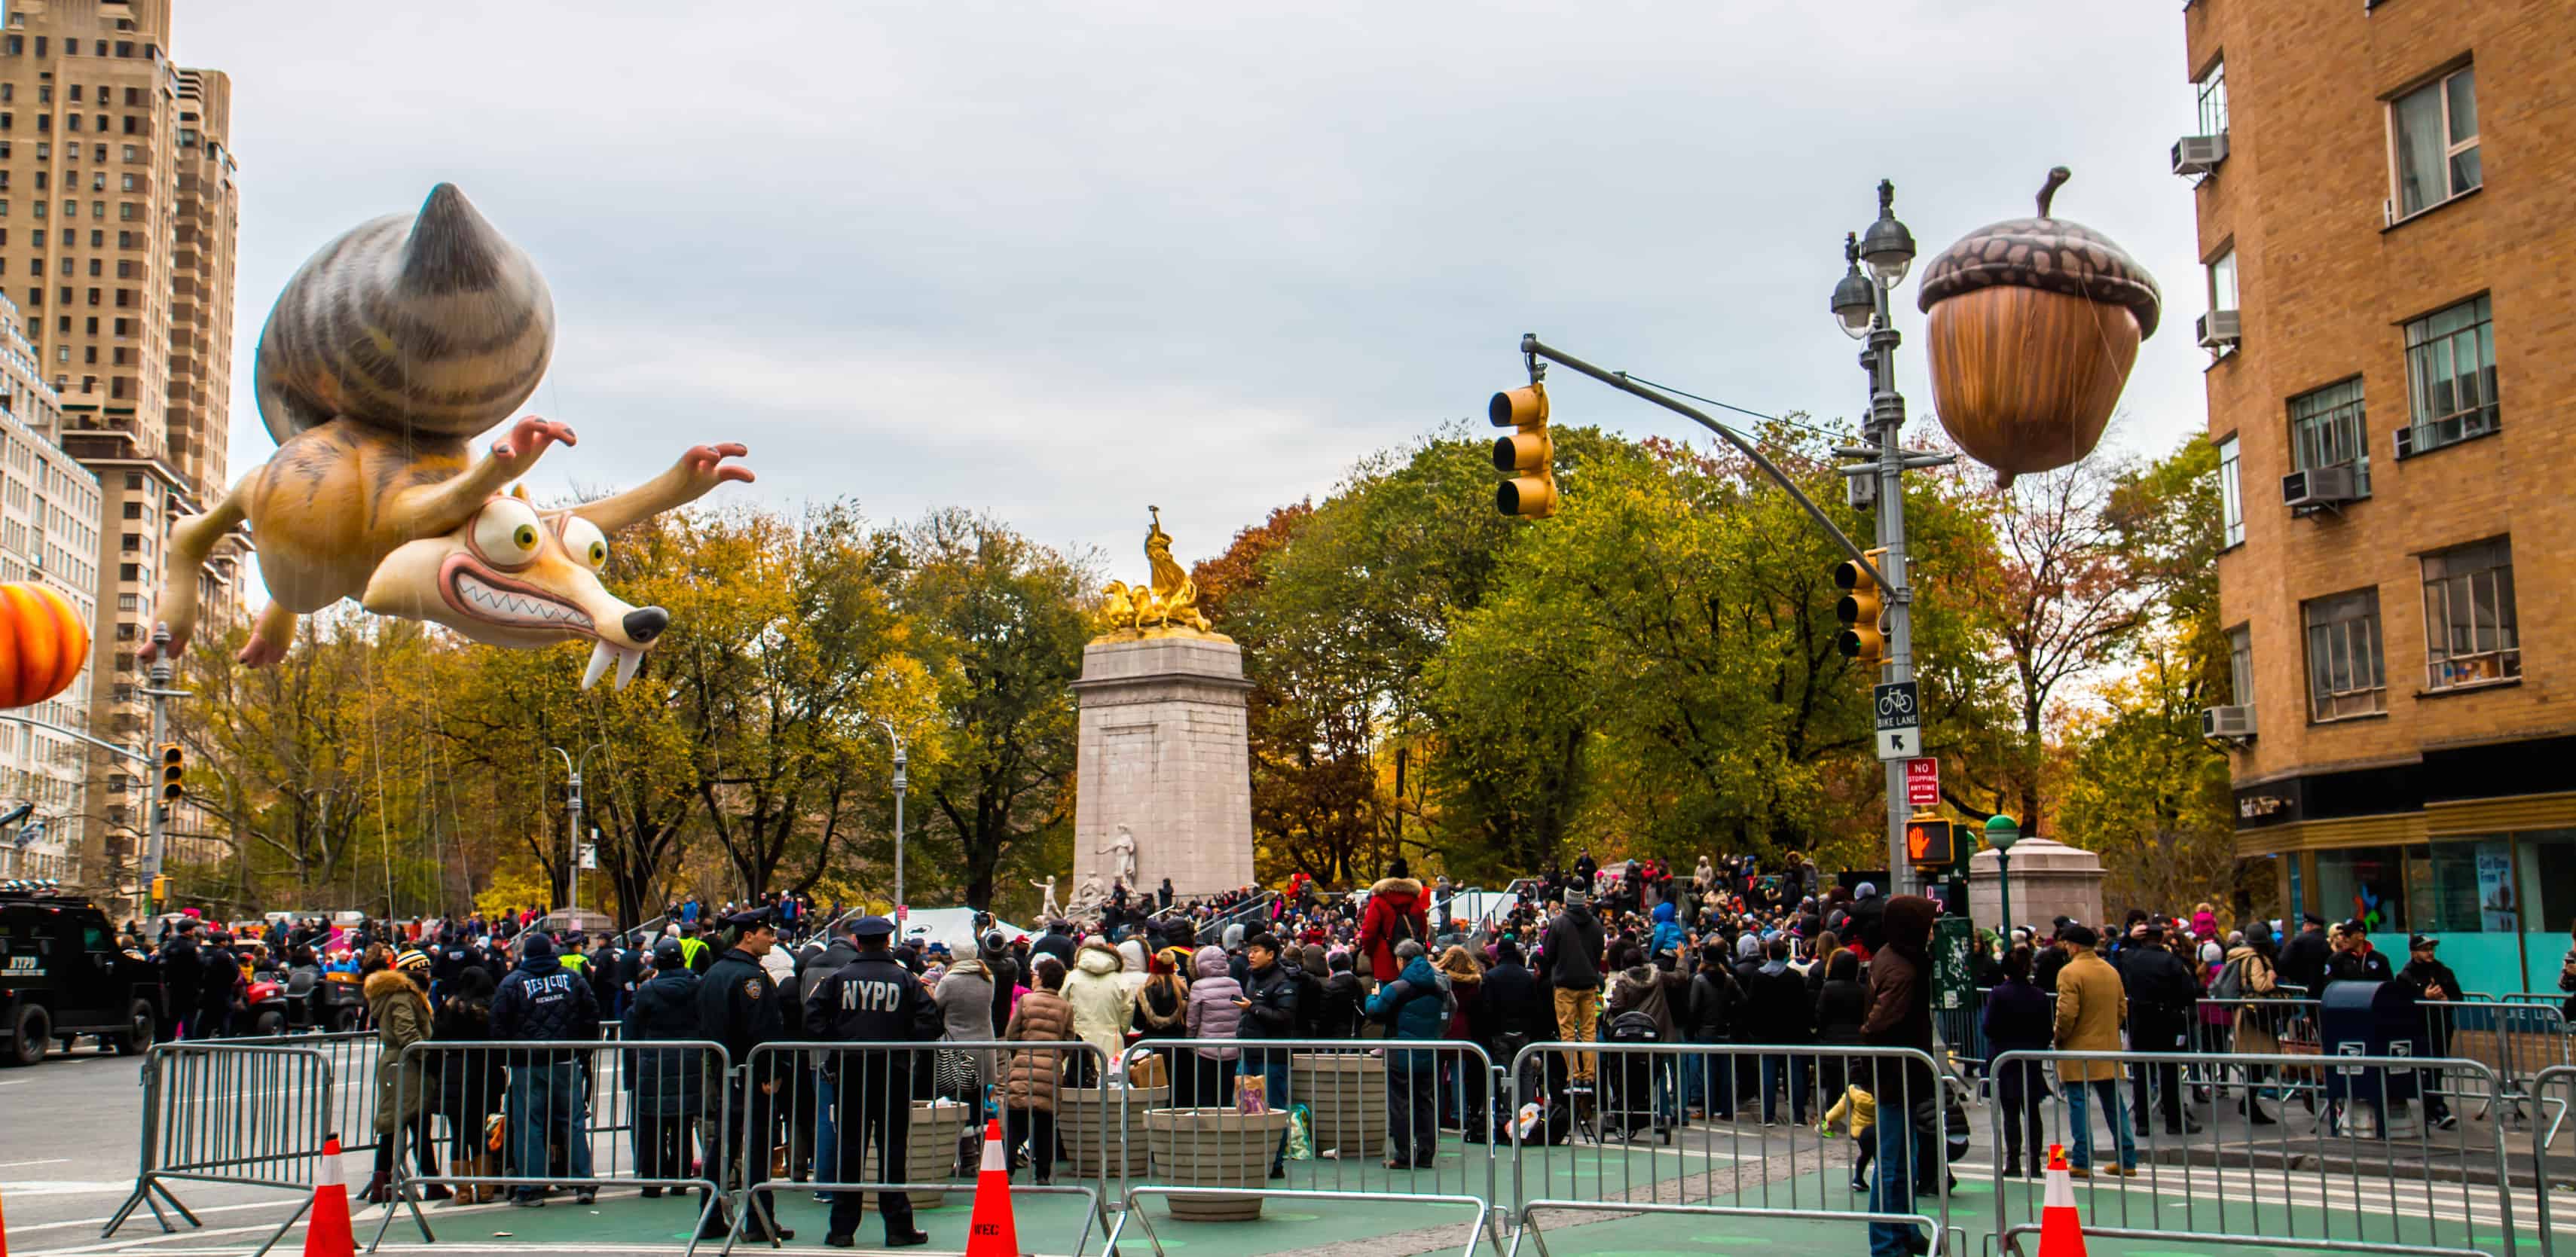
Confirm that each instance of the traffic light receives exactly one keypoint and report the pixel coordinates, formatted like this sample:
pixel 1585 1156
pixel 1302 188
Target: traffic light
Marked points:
pixel 160 890
pixel 1528 455
pixel 1928 843
pixel 174 768
pixel 1859 609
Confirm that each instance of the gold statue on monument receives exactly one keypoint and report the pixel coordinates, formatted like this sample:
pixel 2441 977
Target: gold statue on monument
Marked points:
pixel 1170 603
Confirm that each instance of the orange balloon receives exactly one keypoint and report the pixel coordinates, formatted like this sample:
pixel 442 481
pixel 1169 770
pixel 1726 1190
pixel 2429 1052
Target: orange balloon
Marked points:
pixel 43 643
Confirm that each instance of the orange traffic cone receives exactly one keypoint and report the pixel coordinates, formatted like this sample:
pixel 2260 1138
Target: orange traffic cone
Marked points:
pixel 2061 1228
pixel 990 1232
pixel 326 1233
pixel 4 1233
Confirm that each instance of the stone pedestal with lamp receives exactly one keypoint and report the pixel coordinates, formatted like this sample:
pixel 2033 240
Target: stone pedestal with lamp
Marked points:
pixel 2041 880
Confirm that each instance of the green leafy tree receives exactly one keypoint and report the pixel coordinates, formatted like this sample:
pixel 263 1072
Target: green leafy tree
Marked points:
pixel 1001 624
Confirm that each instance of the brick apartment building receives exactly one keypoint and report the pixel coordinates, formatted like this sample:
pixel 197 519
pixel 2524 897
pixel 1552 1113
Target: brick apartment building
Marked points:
pixel 2387 213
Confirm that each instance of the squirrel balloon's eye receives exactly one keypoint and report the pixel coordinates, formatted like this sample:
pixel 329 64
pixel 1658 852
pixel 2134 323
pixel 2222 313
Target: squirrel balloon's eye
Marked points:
pixel 583 538
pixel 505 532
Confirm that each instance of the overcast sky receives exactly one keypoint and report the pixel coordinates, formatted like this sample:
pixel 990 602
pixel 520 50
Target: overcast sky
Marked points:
pixel 1057 261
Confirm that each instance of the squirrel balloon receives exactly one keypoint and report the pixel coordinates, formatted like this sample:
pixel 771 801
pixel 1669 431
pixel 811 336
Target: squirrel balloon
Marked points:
pixel 388 352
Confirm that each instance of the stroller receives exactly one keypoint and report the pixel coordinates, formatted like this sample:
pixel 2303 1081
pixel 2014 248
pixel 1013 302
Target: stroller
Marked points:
pixel 1628 1100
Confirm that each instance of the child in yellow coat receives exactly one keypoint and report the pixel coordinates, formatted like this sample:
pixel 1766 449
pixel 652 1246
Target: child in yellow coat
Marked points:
pixel 1858 1110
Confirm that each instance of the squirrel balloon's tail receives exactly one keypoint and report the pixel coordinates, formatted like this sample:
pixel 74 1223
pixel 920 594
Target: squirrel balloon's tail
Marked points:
pixel 433 322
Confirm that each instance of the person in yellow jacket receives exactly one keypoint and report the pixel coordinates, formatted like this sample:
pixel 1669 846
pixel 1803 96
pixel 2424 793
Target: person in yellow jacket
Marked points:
pixel 1858 1109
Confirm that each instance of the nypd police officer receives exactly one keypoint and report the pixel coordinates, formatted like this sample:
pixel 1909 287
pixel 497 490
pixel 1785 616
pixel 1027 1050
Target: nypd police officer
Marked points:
pixel 739 1006
pixel 873 999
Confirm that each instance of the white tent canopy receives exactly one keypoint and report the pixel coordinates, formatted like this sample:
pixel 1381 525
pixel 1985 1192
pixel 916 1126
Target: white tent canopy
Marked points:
pixel 953 926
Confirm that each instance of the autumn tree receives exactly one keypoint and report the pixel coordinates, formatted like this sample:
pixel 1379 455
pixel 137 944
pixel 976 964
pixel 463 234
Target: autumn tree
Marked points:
pixel 1000 629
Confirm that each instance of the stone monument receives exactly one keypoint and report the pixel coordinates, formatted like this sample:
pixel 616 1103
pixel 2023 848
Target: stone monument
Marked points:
pixel 2049 880
pixel 1164 767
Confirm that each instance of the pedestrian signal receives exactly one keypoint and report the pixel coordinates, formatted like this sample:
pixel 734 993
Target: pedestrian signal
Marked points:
pixel 174 771
pixel 1528 455
pixel 1859 609
pixel 1927 843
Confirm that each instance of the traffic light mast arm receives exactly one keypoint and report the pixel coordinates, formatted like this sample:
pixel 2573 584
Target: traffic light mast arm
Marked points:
pixel 78 736
pixel 1531 345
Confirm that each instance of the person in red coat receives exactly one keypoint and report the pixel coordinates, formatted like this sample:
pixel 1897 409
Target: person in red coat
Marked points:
pixel 1396 914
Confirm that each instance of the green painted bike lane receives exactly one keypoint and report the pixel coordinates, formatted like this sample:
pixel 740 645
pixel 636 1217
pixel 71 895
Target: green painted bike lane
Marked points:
pixel 1378 1227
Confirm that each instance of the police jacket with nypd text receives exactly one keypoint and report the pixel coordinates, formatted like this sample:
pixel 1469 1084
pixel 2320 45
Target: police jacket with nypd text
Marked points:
pixel 739 1005
pixel 872 999
pixel 541 1000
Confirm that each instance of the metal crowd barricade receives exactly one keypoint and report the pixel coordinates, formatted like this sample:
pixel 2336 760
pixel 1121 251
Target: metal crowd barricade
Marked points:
pixel 2552 1088
pixel 1377 1113
pixel 353 1072
pixel 2515 1040
pixel 2331 1154
pixel 223 1111
pixel 1639 1093
pixel 533 1116
pixel 878 1118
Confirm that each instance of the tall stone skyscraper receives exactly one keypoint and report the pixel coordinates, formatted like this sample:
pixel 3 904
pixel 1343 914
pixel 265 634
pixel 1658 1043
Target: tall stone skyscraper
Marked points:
pixel 118 209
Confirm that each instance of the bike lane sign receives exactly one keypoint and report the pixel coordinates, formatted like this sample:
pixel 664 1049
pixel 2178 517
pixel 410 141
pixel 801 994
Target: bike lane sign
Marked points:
pixel 1900 733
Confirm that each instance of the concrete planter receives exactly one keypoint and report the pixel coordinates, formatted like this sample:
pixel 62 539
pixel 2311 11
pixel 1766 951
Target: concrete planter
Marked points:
pixel 936 1126
pixel 1212 1148
pixel 1086 1117
pixel 1345 1095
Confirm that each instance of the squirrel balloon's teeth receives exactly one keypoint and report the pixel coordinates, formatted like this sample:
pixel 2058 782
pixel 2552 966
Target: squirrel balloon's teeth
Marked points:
pixel 600 655
pixel 628 660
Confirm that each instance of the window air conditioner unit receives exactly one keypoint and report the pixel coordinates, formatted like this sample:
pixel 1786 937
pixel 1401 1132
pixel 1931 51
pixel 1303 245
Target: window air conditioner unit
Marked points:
pixel 2199 154
pixel 2319 487
pixel 2227 722
pixel 2217 329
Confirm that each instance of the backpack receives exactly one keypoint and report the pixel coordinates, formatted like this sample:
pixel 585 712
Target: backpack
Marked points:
pixel 2230 983
pixel 1399 930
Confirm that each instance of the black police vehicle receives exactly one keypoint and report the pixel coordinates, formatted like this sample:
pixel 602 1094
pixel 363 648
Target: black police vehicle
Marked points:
pixel 62 975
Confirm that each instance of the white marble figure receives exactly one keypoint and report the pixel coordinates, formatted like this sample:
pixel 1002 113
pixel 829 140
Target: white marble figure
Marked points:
pixel 1122 845
pixel 1047 909
pixel 1087 899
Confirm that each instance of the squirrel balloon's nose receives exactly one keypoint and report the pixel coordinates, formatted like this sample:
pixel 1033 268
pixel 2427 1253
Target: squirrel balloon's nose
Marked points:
pixel 645 623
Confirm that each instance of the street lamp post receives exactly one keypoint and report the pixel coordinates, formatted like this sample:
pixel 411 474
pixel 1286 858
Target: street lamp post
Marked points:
pixel 2001 834
pixel 1860 305
pixel 899 781
pixel 572 809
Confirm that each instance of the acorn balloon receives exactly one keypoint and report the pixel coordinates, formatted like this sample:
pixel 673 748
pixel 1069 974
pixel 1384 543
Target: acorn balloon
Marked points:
pixel 43 643
pixel 2035 323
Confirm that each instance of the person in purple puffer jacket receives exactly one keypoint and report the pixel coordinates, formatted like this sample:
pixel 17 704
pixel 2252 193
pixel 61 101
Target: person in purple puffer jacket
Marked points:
pixel 1206 1076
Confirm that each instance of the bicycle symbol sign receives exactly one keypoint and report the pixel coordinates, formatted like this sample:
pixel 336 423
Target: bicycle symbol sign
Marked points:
pixel 1899 733
pixel 1895 705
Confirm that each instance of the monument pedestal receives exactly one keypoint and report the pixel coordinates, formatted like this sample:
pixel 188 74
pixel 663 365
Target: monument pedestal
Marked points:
pixel 1164 762
pixel 2049 880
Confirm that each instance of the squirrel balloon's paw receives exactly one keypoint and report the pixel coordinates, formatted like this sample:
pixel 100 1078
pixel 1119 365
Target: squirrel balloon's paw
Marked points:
pixel 178 643
pixel 530 436
pixel 706 467
pixel 259 652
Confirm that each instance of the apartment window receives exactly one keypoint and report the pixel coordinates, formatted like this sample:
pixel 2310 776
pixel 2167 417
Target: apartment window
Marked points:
pixel 2469 631
pixel 2240 664
pixel 2327 429
pixel 129 153
pixel 2222 281
pixel 2346 676
pixel 2435 133
pixel 2231 496
pixel 128 183
pixel 2450 375
pixel 2212 90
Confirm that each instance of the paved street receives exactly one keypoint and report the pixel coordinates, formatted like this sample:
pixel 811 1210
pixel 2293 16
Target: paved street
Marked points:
pixel 73 1131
